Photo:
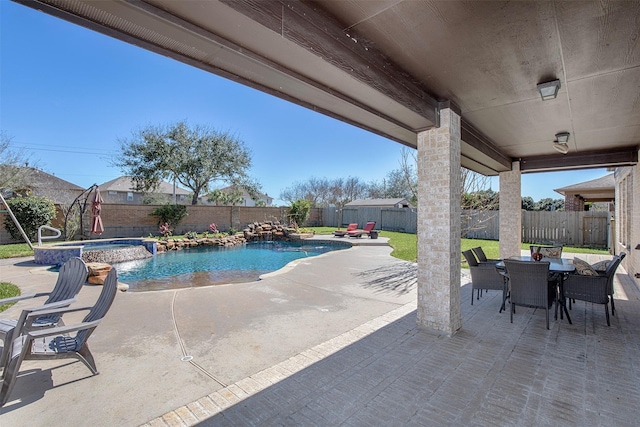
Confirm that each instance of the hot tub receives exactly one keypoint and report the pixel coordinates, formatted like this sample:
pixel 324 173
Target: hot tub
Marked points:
pixel 108 251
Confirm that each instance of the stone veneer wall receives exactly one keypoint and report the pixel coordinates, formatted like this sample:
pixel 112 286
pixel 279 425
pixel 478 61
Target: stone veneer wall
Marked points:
pixel 439 225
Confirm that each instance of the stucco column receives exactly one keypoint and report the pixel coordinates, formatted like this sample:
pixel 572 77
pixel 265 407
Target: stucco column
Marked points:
pixel 439 225
pixel 510 212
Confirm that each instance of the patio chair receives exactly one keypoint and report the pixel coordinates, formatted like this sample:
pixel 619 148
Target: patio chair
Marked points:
pixel 485 276
pixel 368 228
pixel 529 286
pixel 594 289
pixel 341 233
pixel 56 342
pixel 482 257
pixel 72 275
pixel 610 289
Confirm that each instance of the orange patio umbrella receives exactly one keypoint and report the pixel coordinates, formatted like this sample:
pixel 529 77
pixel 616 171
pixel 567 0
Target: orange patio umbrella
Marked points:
pixel 96 206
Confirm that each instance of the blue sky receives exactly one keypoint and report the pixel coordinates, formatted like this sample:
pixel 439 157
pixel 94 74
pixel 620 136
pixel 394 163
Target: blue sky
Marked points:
pixel 67 95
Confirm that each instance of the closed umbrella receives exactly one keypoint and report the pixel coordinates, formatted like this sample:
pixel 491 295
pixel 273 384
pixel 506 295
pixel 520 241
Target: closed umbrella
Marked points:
pixel 96 221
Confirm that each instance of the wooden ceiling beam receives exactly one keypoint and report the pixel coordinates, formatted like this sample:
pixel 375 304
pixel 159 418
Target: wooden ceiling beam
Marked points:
pixel 592 159
pixel 310 27
pixel 477 140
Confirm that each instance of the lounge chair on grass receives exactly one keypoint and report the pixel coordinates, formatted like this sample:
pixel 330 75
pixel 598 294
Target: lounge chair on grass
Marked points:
pixel 368 228
pixel 341 233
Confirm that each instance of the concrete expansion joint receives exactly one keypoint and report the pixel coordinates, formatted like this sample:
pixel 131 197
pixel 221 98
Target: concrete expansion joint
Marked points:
pixel 216 402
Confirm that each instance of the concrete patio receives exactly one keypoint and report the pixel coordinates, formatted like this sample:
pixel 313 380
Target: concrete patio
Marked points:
pixel 333 341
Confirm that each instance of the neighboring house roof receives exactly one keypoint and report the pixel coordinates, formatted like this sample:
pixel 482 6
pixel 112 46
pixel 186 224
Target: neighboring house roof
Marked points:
pixel 125 184
pixel 596 190
pixel 50 186
pixel 41 179
pixel 380 202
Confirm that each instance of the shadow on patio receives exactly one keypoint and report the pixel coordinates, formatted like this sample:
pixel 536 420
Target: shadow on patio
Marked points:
pixel 491 372
pixel 400 278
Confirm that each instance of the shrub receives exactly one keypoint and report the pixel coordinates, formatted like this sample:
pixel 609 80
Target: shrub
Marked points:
pixel 31 212
pixel 170 214
pixel 232 231
pixel 191 235
pixel 299 211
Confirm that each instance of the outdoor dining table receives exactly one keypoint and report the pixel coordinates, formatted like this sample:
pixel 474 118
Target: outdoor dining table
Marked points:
pixel 558 268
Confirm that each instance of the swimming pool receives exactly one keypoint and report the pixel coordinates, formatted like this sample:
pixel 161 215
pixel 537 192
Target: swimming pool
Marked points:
pixel 203 266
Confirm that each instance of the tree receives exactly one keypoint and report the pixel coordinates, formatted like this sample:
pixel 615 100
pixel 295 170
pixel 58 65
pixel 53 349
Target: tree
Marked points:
pixel 322 192
pixel 235 197
pixel 408 166
pixel 528 204
pixel 231 197
pixel 299 211
pixel 13 174
pixel 549 204
pixel 194 156
pixel 170 214
pixel 31 212
pixel 218 197
pixel 345 190
pixel 481 199
pixel 478 202
pixel 400 183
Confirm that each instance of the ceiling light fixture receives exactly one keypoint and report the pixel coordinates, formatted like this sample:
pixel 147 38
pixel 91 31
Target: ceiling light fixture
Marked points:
pixel 560 144
pixel 562 137
pixel 549 90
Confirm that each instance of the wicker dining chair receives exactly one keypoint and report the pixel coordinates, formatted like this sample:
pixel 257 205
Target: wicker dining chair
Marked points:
pixel 528 285
pixel 594 289
pixel 485 276
pixel 482 257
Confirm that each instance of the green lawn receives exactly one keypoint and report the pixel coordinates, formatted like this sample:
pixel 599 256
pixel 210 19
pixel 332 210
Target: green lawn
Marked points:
pixel 15 250
pixel 405 245
pixel 8 290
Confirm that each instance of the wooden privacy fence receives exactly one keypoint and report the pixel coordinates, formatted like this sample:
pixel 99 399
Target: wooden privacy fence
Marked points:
pixel 391 219
pixel 570 228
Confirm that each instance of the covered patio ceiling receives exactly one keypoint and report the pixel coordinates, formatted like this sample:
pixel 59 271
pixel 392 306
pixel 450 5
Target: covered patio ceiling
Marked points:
pixel 389 66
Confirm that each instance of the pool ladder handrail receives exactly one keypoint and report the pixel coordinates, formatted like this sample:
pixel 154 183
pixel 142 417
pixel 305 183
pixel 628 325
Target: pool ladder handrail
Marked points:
pixel 46 227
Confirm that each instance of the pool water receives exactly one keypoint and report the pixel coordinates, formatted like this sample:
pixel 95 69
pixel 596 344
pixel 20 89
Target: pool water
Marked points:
pixel 202 266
